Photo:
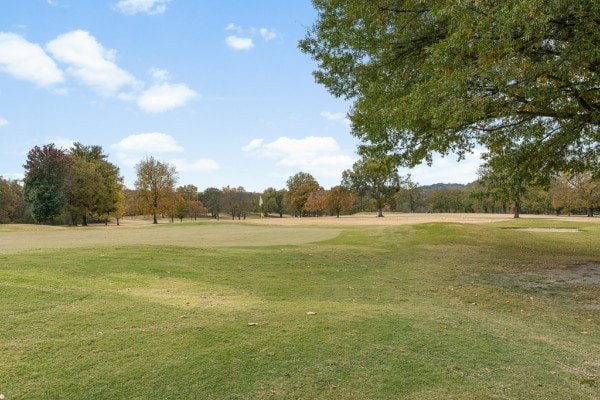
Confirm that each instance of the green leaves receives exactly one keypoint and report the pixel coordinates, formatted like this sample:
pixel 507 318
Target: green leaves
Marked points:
pixel 429 77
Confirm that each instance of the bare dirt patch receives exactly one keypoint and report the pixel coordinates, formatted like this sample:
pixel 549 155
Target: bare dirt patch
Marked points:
pixel 582 274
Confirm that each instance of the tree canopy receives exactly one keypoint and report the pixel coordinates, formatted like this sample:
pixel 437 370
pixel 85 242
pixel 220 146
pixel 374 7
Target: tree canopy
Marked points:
pixel 376 177
pixel 300 186
pixel 155 185
pixel 443 77
pixel 43 186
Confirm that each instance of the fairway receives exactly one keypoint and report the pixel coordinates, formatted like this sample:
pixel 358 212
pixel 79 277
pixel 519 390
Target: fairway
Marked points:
pixel 401 307
pixel 207 234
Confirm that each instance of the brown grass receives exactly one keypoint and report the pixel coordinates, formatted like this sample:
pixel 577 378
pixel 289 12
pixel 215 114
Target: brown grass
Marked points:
pixel 225 232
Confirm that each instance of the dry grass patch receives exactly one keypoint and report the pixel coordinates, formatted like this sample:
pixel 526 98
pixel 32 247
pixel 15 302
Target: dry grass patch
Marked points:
pixel 186 294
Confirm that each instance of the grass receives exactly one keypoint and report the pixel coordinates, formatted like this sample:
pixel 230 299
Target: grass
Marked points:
pixel 423 311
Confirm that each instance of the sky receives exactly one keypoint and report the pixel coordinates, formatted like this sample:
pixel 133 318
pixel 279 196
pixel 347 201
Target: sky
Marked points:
pixel 219 89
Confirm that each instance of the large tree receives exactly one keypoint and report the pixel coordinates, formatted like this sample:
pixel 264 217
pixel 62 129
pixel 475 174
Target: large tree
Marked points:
pixel 273 201
pixel 299 187
pixel 155 185
pixel 93 184
pixel 46 170
pixel 211 197
pixel 236 201
pixel 338 200
pixel 432 77
pixel 376 177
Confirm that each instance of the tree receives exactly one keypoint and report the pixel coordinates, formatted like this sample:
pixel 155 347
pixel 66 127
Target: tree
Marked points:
pixel 273 201
pixel 339 200
pixel 510 173
pixel 46 170
pixel 192 206
pixel 197 209
pixel 315 203
pixel 410 195
pixel 236 201
pixel 377 177
pixel 588 192
pixel 121 207
pixel 211 197
pixel 8 201
pixel 446 200
pixel 577 191
pixel 155 184
pixel 299 187
pixel 12 205
pixel 93 184
pixel 431 77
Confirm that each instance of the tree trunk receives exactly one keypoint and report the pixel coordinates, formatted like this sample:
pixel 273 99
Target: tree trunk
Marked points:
pixel 380 212
pixel 155 220
pixel 517 209
pixel 590 212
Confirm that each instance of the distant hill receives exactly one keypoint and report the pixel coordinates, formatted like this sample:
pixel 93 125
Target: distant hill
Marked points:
pixel 440 186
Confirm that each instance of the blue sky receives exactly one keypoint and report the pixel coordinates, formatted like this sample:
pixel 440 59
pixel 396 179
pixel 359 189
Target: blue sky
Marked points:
pixel 217 88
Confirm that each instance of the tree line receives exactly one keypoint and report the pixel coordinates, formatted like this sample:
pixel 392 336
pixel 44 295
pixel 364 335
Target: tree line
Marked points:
pixel 80 185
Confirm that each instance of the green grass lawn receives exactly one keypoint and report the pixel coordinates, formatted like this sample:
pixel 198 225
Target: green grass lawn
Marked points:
pixel 428 311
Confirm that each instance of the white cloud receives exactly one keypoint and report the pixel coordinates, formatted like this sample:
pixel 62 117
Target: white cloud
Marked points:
pixel 90 62
pixel 150 7
pixel 62 142
pixel 321 155
pixel 164 97
pixel 200 165
pixel 243 39
pixel 254 144
pixel 3 121
pixel 160 75
pixel 447 170
pixel 148 143
pixel 267 34
pixel 233 27
pixel 27 61
pixel 17 176
pixel 239 43
pixel 335 117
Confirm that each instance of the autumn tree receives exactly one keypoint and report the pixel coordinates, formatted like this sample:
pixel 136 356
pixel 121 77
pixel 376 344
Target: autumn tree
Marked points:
pixel 429 77
pixel 575 191
pixel 155 184
pixel 339 200
pixel 193 205
pixel 12 205
pixel 588 192
pixel 376 177
pixel 236 201
pixel 46 170
pixel 299 187
pixel 315 203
